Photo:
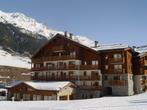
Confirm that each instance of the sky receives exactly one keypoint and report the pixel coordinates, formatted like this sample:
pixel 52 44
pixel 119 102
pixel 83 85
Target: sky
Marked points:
pixel 107 21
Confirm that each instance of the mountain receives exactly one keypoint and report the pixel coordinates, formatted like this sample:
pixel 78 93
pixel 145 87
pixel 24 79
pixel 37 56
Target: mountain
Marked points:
pixel 26 24
pixel 23 35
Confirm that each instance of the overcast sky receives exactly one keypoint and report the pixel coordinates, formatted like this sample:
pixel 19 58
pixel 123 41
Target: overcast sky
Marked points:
pixel 108 21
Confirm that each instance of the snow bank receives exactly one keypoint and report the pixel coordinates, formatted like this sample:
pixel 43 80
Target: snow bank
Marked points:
pixel 137 102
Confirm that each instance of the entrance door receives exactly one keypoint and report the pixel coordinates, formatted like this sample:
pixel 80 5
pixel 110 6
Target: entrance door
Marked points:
pixel 108 91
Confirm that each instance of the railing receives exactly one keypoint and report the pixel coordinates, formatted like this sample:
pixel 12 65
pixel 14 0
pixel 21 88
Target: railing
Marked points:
pixel 58 48
pixel 92 87
pixel 69 67
pixel 65 78
pixel 53 58
pixel 88 67
pixel 117 82
pixel 113 60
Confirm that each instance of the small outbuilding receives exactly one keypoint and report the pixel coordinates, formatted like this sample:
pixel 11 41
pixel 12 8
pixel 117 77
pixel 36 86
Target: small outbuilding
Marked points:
pixel 41 91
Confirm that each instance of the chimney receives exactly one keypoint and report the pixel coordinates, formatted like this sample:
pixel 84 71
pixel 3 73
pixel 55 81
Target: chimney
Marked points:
pixel 70 35
pixel 96 44
pixel 65 33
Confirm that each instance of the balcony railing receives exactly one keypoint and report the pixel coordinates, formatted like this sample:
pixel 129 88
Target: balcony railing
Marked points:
pixel 92 87
pixel 65 78
pixel 53 58
pixel 69 67
pixel 114 60
pixel 117 82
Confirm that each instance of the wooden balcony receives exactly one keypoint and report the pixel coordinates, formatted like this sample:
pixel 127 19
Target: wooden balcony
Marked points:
pixel 69 67
pixel 58 48
pixel 66 78
pixel 53 58
pixel 92 87
pixel 89 67
pixel 56 78
pixel 117 82
pixel 115 71
pixel 115 60
pixel 37 69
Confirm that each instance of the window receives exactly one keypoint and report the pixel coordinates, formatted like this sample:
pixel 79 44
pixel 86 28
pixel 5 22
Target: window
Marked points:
pixel 85 63
pixel 106 67
pixel 117 67
pixel 106 78
pixel 117 56
pixel 94 73
pixel 85 73
pixel 96 84
pixel 71 73
pixel 73 53
pixel 143 77
pixel 94 62
pixel 117 77
pixel 71 62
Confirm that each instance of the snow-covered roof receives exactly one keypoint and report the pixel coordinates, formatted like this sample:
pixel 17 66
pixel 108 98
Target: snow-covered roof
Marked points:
pixel 142 54
pixel 43 85
pixel 141 49
pixel 110 47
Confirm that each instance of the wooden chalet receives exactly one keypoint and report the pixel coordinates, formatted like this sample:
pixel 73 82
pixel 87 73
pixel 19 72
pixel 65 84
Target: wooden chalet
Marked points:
pixel 64 59
pixel 41 91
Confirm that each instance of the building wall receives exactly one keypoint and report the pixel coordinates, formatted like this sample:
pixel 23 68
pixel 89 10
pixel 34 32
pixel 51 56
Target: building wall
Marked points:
pixel 67 92
pixel 117 72
pixel 140 82
pixel 122 86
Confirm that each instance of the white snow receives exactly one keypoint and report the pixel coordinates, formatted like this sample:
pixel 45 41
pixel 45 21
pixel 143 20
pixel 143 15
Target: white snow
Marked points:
pixel 6 59
pixel 141 49
pixel 137 102
pixel 110 47
pixel 43 85
pixel 47 85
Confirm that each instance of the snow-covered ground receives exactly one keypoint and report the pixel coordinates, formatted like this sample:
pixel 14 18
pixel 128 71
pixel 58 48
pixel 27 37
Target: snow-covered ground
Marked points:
pixel 137 102
pixel 7 59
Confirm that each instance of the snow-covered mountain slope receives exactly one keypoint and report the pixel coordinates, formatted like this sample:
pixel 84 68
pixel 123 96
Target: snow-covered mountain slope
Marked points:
pixel 7 59
pixel 137 102
pixel 26 24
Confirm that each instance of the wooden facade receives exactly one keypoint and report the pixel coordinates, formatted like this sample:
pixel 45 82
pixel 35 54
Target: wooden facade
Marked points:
pixel 140 72
pixel 62 54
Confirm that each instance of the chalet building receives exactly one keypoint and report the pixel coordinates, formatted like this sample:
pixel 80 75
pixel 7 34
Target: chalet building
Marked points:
pixel 93 70
pixel 63 59
pixel 41 91
pixel 140 72
pixel 116 67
